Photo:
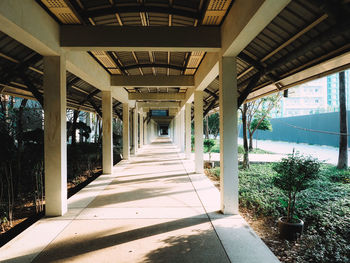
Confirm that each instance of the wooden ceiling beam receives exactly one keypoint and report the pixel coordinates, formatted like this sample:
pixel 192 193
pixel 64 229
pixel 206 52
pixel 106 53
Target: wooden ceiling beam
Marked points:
pixel 286 43
pixel 151 81
pixel 182 39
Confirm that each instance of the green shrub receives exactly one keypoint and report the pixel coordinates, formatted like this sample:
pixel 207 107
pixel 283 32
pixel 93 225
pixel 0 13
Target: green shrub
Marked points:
pixel 192 143
pixel 294 174
pixel 208 144
pixel 214 172
pixel 216 148
pixel 240 149
pixel 339 176
pixel 325 209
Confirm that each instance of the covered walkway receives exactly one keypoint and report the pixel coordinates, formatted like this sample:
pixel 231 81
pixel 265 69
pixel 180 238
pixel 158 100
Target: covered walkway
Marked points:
pixel 153 208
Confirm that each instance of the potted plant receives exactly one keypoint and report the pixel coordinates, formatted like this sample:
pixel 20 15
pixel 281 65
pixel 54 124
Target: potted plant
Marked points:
pixel 209 144
pixel 294 174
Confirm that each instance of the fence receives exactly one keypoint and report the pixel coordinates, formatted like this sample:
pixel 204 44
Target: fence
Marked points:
pixel 292 129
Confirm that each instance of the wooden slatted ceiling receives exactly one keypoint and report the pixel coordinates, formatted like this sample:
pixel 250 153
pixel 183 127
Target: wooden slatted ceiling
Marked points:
pixel 106 61
pixel 62 11
pixel 216 10
pixel 213 16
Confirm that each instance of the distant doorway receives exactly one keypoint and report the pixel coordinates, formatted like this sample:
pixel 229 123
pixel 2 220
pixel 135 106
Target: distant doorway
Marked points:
pixel 164 130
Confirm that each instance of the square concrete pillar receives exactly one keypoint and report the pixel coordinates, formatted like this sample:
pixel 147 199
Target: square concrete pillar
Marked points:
pixel 175 129
pixel 126 139
pixel 145 133
pixel 188 130
pixel 55 147
pixel 107 132
pixel 198 131
pixel 228 135
pixel 141 128
pixel 182 129
pixel 135 129
pixel 178 130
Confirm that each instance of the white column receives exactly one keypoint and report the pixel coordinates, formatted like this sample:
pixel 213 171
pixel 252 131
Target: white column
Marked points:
pixel 182 129
pixel 175 129
pixel 55 147
pixel 228 136
pixel 135 129
pixel 107 133
pixel 141 128
pixel 178 130
pixel 151 130
pixel 126 139
pixel 145 132
pixel 188 130
pixel 198 131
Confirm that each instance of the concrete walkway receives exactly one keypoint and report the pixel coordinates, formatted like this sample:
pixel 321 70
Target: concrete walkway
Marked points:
pixel 152 209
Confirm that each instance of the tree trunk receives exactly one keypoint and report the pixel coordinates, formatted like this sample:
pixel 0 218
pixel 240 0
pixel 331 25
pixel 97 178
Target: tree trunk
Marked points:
pixel 250 142
pixel 245 139
pixel 74 126
pixel 206 128
pixel 20 146
pixel 343 139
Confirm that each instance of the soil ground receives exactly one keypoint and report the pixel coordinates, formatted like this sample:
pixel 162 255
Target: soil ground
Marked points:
pixel 25 209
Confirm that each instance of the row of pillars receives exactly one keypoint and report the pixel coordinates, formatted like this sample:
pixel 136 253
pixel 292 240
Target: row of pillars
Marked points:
pixel 181 134
pixel 55 134
pixel 55 148
pixel 138 134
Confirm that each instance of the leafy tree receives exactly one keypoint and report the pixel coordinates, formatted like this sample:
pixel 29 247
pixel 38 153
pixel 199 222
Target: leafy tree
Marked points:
pixel 214 124
pixel 257 112
pixel 209 144
pixel 262 124
pixel 245 139
pixel 253 115
pixel 295 174
pixel 211 125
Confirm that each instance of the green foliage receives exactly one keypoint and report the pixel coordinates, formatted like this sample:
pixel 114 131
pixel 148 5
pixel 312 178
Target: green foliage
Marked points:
pixel 257 192
pixel 209 144
pixel 295 173
pixel 192 143
pixel 340 176
pixel 240 149
pixel 83 157
pixel 264 125
pixel 214 124
pixel 215 172
pixel 216 149
pixel 325 209
pixel 3 220
pixel 81 127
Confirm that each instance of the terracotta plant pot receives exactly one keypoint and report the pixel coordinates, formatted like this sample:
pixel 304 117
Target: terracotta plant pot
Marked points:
pixel 208 165
pixel 290 231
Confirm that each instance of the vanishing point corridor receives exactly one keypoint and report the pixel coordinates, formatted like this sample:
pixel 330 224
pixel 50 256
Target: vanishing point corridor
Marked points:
pixel 152 209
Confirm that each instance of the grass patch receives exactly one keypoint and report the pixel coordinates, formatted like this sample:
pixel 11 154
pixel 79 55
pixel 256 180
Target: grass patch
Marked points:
pixel 216 149
pixel 324 207
pixel 260 151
